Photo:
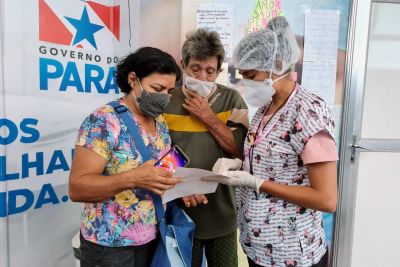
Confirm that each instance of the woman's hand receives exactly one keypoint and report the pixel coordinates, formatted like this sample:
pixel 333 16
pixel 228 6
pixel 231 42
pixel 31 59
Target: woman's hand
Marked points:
pixel 150 177
pixel 87 183
pixel 225 164
pixel 237 178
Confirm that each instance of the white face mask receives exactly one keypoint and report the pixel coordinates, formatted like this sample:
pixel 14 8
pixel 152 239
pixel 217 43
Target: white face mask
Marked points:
pixel 202 88
pixel 257 93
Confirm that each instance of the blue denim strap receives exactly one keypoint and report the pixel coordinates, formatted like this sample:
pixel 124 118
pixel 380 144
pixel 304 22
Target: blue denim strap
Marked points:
pixel 122 113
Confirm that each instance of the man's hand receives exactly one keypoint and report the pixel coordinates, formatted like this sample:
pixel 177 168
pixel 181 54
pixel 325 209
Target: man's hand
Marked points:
pixel 192 201
pixel 198 106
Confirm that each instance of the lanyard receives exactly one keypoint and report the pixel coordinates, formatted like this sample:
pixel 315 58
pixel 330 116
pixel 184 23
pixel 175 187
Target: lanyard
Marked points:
pixel 258 138
pixel 267 130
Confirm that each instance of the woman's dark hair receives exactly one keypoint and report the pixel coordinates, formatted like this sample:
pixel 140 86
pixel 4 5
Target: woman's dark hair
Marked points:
pixel 144 62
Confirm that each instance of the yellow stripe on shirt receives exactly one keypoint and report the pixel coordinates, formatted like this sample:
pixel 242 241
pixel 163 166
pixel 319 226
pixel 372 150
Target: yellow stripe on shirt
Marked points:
pixel 187 123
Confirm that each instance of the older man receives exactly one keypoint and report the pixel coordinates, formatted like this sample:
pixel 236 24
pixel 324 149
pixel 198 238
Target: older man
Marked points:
pixel 208 121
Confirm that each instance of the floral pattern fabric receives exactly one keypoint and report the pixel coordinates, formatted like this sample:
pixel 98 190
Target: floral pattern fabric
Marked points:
pixel 274 232
pixel 127 219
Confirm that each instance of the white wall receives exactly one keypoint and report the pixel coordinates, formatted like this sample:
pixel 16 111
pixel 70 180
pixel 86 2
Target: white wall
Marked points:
pixel 160 24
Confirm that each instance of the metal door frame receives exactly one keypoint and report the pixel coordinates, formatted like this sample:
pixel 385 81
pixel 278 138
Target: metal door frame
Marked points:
pixel 351 144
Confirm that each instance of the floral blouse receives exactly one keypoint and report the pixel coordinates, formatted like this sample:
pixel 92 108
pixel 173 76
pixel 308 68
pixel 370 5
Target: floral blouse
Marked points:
pixel 128 218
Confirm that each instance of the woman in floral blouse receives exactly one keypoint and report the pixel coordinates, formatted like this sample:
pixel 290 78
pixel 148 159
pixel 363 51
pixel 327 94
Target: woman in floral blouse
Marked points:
pixel 118 222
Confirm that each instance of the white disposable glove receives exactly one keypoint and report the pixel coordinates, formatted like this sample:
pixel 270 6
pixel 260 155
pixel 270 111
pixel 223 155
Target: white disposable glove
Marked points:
pixel 237 178
pixel 225 164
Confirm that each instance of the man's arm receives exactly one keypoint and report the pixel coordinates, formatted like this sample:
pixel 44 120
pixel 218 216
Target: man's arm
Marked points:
pixel 198 107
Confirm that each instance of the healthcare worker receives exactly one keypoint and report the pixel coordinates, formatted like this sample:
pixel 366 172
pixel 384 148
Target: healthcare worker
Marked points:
pixel 289 169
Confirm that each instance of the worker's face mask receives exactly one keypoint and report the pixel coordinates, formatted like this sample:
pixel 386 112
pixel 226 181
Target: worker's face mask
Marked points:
pixel 257 93
pixel 202 88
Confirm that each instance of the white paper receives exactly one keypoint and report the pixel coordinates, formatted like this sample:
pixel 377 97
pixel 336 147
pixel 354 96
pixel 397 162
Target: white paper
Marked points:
pixel 219 18
pixel 192 184
pixel 319 77
pixel 321 35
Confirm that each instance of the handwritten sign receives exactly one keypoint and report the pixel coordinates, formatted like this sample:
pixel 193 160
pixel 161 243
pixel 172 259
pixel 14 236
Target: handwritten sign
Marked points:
pixel 319 77
pixel 219 18
pixel 321 35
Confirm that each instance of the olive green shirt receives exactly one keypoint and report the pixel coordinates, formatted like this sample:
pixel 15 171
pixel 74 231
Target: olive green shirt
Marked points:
pixel 218 217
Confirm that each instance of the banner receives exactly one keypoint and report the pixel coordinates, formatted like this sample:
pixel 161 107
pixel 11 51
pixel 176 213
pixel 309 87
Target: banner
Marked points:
pixel 58 63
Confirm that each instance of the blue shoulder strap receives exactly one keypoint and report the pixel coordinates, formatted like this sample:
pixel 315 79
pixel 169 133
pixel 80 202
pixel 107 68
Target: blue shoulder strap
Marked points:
pixel 132 128
pixel 122 112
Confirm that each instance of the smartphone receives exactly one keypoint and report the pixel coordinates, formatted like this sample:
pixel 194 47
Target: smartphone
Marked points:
pixel 173 159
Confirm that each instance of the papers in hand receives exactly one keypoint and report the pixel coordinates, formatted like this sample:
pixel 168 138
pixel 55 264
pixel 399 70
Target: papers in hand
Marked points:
pixel 192 184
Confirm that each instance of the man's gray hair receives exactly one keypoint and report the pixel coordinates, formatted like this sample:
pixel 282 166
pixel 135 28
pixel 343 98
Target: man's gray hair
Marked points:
pixel 202 44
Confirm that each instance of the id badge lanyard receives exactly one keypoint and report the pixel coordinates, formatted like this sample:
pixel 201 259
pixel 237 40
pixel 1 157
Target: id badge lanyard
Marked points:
pixel 260 136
